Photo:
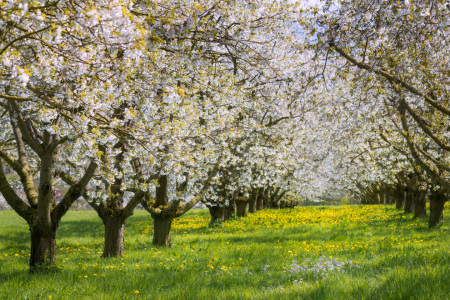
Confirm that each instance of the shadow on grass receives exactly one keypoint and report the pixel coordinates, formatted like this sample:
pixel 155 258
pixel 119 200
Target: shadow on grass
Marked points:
pixel 15 240
pixel 81 228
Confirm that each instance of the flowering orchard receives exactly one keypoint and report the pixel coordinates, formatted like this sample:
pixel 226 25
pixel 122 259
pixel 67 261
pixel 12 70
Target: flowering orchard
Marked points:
pixel 241 105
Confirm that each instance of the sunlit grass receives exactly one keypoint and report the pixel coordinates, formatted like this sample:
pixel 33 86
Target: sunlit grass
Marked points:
pixel 347 252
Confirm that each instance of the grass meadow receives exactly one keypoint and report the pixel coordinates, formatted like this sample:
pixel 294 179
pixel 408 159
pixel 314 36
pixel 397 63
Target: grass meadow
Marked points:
pixel 345 252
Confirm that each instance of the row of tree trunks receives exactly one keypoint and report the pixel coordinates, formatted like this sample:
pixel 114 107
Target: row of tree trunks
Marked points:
pixel 378 193
pixel 409 195
pixel 259 198
pixel 415 201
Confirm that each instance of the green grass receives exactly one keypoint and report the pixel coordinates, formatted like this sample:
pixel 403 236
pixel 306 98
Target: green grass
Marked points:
pixel 259 257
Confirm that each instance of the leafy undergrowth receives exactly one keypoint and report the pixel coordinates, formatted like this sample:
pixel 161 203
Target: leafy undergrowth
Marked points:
pixel 347 252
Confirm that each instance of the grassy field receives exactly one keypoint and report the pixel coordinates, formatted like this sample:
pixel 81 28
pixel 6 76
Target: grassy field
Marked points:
pixel 346 252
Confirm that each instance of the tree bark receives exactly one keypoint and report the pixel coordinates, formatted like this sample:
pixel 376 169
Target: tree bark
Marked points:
pixel 161 230
pixel 241 208
pixel 266 196
pixel 114 236
pixel 229 210
pixel 437 201
pixel 274 203
pixel 399 199
pixel 409 201
pixel 217 214
pixel 260 201
pixel 43 246
pixel 252 200
pixel 420 205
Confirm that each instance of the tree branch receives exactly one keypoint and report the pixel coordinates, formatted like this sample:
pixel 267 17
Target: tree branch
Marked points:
pixel 13 200
pixel 199 196
pixel 409 140
pixel 74 192
pixel 422 124
pixel 21 38
pixel 15 98
pixel 26 178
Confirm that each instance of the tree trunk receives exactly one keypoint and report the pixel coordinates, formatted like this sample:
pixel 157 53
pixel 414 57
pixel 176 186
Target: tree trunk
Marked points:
pixel 161 230
pixel 217 214
pixel 399 199
pixel 420 205
pixel 409 202
pixel 266 199
pixel 437 201
pixel 114 236
pixel 252 200
pixel 388 195
pixel 259 202
pixel 274 203
pixel 241 208
pixel 229 210
pixel 43 247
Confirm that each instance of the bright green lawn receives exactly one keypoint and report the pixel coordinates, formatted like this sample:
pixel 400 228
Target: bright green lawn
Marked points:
pixel 347 252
